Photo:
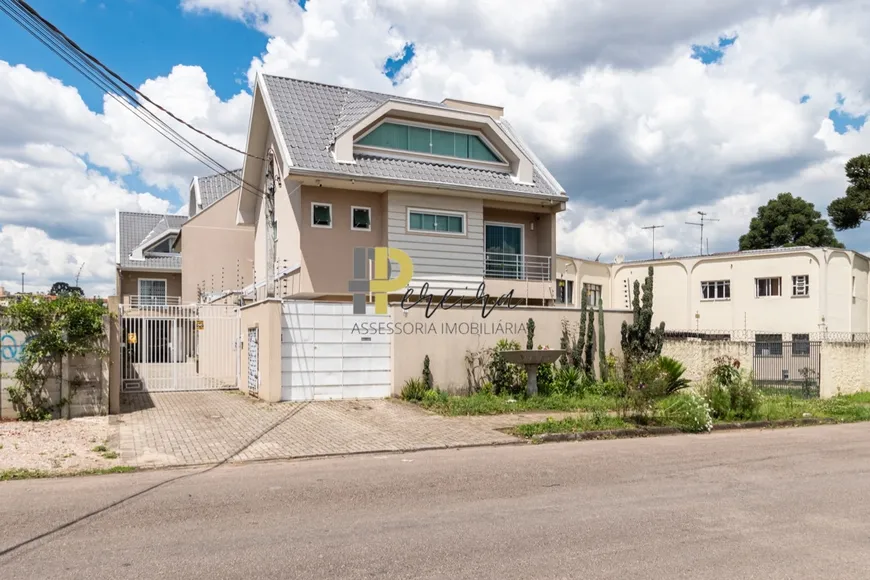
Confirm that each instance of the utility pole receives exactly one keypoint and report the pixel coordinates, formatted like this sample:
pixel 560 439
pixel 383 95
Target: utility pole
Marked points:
pixel 22 282
pixel 653 228
pixel 271 234
pixel 704 219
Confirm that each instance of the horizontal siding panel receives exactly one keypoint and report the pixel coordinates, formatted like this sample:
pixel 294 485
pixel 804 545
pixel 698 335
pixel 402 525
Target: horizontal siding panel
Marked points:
pixel 445 263
pixel 422 241
pixel 459 253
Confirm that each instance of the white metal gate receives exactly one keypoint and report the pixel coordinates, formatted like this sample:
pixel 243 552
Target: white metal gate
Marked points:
pixel 179 348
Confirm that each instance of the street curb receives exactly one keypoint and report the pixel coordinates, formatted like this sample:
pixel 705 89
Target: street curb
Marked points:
pixel 657 431
pixel 231 462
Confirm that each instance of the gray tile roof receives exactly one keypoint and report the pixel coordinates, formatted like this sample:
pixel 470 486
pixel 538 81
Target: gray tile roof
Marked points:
pixel 215 187
pixel 311 115
pixel 134 228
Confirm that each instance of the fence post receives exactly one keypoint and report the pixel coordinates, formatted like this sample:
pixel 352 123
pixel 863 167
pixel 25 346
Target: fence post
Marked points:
pixel 64 387
pixel 114 359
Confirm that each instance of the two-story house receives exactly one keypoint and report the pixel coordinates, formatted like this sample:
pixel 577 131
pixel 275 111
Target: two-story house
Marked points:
pixel 218 252
pixel 778 293
pixel 147 264
pixel 451 184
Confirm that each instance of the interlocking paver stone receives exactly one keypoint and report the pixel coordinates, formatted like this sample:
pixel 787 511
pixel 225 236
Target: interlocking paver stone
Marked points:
pixel 189 428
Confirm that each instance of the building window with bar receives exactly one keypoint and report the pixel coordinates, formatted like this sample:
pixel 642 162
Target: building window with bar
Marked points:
pixel 716 290
pixel 768 345
pixel 765 287
pixel 800 285
pixel 800 344
pixel 593 294
pixel 565 292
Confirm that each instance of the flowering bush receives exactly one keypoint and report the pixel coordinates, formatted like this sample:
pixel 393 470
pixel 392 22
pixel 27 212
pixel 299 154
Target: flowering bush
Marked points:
pixel 691 413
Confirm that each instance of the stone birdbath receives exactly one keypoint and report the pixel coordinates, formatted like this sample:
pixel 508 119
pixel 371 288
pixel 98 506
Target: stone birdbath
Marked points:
pixel 531 359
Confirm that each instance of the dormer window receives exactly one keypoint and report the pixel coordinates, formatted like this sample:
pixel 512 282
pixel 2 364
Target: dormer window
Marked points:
pixel 430 141
pixel 164 246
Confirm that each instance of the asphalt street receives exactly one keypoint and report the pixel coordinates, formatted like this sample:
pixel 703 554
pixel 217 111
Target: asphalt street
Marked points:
pixel 783 504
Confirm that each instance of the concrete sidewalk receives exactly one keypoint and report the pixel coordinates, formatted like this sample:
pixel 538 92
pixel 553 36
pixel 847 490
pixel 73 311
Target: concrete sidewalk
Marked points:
pixel 195 428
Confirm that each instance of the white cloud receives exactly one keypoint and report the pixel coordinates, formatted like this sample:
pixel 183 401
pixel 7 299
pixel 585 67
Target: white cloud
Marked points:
pixel 636 130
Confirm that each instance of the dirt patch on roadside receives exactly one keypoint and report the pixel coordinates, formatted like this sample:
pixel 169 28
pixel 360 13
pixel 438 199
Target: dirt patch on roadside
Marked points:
pixel 61 445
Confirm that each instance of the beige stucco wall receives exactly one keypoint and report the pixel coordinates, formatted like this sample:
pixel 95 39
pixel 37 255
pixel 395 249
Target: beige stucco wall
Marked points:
pixel 328 252
pixel 129 283
pixel 831 304
pixel 265 315
pixel 698 356
pixel 845 367
pixel 586 272
pixel 447 351
pixel 218 254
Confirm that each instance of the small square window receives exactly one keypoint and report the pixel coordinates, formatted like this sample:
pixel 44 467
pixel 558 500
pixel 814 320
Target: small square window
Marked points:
pixel 321 215
pixel 800 285
pixel 361 218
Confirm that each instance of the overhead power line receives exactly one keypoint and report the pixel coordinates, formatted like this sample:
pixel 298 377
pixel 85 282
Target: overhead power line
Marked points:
pixel 115 86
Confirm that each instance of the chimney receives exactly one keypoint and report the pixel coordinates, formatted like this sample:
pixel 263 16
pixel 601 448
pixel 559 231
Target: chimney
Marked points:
pixel 491 110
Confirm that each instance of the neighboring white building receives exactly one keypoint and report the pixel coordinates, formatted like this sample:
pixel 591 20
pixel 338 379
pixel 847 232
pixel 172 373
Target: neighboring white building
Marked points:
pixel 784 290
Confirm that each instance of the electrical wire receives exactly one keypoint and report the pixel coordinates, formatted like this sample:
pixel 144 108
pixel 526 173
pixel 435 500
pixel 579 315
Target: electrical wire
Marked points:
pixel 120 90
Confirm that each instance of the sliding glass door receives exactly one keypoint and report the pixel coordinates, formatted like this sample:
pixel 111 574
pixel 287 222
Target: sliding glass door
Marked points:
pixel 504 251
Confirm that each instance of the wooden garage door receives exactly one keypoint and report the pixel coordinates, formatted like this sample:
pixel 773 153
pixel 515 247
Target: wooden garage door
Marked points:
pixel 322 358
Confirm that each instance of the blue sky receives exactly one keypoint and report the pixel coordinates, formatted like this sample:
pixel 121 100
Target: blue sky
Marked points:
pixel 144 39
pixel 139 39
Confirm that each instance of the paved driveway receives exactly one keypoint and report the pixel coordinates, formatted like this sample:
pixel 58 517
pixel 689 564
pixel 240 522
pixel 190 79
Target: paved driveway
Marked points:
pixel 164 429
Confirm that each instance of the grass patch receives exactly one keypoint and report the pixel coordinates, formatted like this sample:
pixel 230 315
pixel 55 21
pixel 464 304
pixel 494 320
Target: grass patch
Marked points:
pixel 573 425
pixel 19 474
pixel 110 455
pixel 486 404
pixel 100 449
pixel 844 409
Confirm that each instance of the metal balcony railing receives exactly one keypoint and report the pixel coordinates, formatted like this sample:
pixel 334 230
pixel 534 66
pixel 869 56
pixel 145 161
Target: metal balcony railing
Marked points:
pixel 517 267
pixel 144 300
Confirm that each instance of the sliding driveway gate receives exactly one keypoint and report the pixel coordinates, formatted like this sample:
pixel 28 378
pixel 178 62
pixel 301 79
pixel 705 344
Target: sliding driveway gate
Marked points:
pixel 179 348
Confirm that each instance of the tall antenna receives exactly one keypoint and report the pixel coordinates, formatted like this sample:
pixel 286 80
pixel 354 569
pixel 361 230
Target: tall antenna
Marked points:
pixel 653 228
pixel 79 274
pixel 704 219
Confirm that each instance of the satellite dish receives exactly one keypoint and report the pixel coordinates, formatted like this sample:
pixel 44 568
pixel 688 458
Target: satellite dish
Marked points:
pixel 619 259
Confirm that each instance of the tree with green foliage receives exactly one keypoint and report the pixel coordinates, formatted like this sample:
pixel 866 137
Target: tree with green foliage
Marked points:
pixel 56 329
pixel 64 289
pixel 851 210
pixel 602 355
pixel 640 342
pixel 788 221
